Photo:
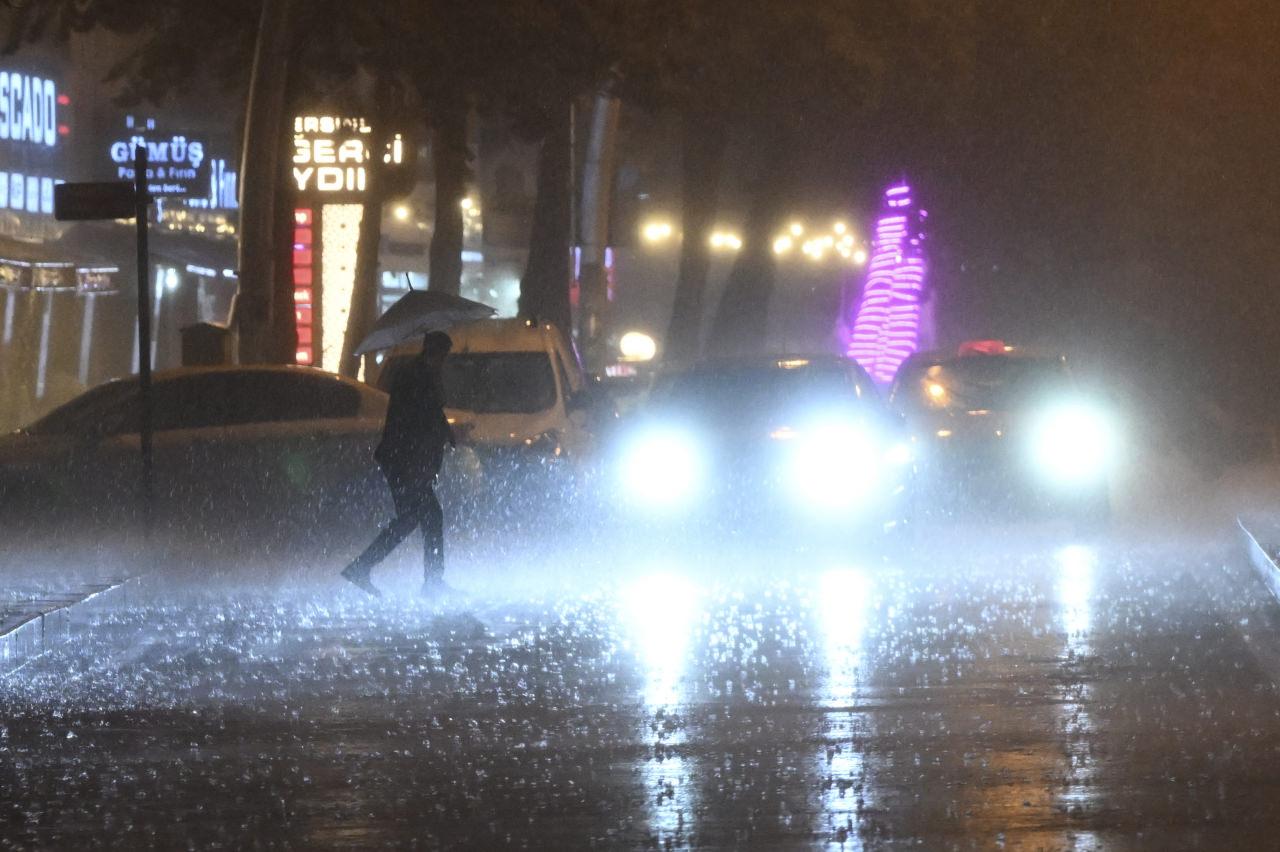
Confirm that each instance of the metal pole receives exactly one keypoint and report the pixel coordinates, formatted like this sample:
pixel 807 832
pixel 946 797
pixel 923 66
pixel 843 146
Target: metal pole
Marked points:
pixel 142 203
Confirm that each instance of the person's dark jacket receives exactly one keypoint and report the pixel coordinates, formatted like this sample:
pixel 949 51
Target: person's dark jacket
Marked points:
pixel 416 429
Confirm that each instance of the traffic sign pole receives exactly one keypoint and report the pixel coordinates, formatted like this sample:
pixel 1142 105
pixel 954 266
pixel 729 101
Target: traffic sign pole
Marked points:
pixel 142 201
pixel 120 200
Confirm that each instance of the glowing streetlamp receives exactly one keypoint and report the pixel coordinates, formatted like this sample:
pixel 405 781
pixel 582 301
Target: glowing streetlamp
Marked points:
pixel 725 241
pixel 637 346
pixel 657 231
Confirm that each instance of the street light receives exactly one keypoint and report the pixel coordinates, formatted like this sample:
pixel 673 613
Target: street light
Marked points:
pixel 401 212
pixel 725 241
pixel 657 232
pixel 783 244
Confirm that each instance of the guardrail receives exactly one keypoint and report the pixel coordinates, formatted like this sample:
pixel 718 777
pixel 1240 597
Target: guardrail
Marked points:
pixel 31 628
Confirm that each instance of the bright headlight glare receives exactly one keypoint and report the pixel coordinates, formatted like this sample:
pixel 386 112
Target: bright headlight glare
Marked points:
pixel 662 467
pixel 900 454
pixel 1074 444
pixel 833 466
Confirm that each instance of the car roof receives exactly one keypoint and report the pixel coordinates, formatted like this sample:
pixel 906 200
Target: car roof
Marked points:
pixel 759 362
pixel 501 335
pixel 175 373
pixel 947 356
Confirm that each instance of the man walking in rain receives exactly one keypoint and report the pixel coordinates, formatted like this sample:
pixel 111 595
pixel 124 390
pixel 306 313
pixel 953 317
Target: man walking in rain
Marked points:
pixel 410 455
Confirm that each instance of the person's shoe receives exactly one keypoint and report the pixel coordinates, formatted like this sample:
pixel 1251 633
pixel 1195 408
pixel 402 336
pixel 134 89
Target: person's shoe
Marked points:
pixel 436 589
pixel 360 579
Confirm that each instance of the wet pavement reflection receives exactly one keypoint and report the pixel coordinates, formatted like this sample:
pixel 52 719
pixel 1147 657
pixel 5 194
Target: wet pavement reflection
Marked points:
pixel 1052 696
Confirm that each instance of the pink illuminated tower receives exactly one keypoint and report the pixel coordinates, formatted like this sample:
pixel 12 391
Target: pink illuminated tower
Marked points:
pixel 886 326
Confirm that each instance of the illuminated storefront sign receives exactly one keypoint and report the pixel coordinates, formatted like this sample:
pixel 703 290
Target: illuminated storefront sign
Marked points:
pixel 331 156
pixel 28 109
pixel 177 165
pixel 29 134
pixel 222 191
pixel 57 276
pixel 182 168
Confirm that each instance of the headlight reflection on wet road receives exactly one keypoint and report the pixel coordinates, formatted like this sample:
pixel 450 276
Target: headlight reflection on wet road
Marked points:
pixel 660 613
pixel 1076 565
pixel 844 598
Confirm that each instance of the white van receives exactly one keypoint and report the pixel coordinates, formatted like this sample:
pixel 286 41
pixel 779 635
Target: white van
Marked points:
pixel 513 387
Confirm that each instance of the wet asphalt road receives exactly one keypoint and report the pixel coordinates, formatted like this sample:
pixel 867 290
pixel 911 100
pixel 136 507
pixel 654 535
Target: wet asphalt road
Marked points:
pixel 1045 696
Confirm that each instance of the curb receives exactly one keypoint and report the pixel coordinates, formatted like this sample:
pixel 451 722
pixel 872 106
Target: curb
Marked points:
pixel 40 625
pixel 1263 564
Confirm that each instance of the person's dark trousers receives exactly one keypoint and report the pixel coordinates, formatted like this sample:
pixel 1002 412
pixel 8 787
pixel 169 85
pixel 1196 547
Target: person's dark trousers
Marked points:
pixel 416 506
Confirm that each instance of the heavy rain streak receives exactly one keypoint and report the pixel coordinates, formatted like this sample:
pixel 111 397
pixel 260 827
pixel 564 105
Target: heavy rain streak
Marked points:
pixel 638 425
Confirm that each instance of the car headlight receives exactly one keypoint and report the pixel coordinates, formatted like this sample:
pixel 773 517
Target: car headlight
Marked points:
pixel 834 466
pixel 1073 444
pixel 662 467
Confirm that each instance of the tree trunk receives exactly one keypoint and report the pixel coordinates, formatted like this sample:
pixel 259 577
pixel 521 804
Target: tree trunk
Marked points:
pixel 449 155
pixel 702 151
pixel 742 319
pixel 544 289
pixel 264 132
pixel 364 295
pixel 597 193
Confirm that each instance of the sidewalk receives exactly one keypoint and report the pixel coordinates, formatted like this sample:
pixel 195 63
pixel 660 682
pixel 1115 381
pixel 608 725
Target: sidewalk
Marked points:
pixel 33 622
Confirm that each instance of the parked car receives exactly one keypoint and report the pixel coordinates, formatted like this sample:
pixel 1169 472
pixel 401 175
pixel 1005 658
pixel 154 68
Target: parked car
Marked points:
pixel 229 443
pixel 526 415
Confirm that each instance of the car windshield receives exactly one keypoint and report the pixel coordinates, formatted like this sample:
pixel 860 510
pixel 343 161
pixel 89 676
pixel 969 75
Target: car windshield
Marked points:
pixel 981 382
pixel 499 382
pixel 744 391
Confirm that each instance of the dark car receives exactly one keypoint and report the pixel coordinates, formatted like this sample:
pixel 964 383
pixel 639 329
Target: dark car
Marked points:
pixel 1003 426
pixel 231 444
pixel 780 442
